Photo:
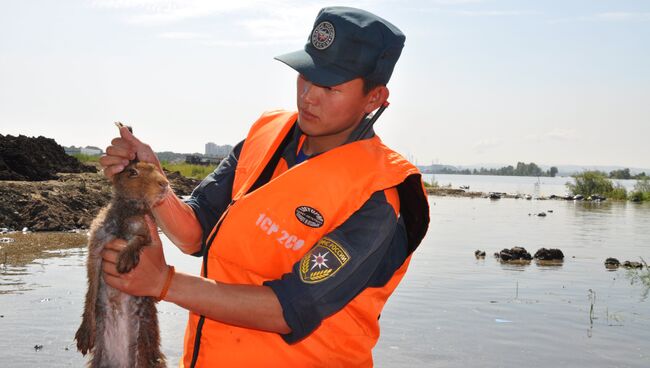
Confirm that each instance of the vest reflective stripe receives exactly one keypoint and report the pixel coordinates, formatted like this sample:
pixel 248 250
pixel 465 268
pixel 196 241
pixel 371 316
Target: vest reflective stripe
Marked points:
pixel 261 237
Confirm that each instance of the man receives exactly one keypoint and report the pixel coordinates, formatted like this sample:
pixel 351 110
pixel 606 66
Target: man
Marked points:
pixel 305 229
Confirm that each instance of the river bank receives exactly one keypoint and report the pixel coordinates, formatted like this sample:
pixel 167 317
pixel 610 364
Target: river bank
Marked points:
pixel 67 203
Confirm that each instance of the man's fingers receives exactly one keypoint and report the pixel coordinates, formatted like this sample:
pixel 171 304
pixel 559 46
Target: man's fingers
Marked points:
pixel 109 268
pixel 125 153
pixel 107 160
pixel 110 171
pixel 113 281
pixel 115 245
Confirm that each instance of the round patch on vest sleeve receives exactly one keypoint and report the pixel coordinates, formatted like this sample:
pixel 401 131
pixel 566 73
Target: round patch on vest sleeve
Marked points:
pixel 309 216
pixel 322 261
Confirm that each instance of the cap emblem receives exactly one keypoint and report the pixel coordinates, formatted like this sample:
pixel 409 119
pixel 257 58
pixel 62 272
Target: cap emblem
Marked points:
pixel 323 35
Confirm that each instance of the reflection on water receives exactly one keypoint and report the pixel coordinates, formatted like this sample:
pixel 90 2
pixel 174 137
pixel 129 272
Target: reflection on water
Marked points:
pixel 452 310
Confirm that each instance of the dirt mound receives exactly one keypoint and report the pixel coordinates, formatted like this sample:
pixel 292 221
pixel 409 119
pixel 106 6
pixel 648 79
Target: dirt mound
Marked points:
pixel 35 159
pixel 182 186
pixel 70 202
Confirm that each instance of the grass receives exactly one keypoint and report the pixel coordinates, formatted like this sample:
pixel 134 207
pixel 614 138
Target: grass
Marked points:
pixel 86 158
pixel 189 170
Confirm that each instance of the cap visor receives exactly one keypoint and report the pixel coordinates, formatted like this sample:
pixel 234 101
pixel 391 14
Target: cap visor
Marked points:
pixel 316 70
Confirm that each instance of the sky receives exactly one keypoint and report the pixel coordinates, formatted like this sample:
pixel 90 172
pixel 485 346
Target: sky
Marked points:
pixel 553 82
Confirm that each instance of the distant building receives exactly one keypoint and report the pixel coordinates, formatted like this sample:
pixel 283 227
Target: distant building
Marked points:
pixel 91 151
pixel 72 150
pixel 214 150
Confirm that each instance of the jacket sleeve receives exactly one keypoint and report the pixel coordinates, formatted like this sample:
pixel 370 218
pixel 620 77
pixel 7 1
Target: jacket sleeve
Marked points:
pixel 212 196
pixel 375 240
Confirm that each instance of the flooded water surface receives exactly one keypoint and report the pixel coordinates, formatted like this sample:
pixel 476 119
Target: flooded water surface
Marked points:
pixel 451 310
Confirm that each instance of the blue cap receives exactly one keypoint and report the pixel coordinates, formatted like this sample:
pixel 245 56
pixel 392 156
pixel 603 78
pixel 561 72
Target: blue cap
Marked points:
pixel 348 43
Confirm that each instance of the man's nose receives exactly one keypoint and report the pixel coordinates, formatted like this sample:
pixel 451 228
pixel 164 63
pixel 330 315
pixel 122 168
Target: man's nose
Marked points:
pixel 307 92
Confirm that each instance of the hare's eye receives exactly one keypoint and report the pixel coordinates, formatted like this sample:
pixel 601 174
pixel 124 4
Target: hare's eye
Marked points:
pixel 132 173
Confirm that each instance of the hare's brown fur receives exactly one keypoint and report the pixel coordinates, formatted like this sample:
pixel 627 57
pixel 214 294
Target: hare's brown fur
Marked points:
pixel 121 330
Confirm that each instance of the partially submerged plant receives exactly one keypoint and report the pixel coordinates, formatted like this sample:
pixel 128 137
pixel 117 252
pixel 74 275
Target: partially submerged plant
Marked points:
pixel 642 276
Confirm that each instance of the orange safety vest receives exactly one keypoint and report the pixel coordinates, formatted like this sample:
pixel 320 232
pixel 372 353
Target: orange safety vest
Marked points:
pixel 260 237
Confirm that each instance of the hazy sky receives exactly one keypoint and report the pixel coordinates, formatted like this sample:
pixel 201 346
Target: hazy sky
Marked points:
pixel 493 81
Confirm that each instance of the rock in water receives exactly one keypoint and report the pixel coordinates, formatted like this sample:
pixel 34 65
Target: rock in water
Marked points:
pixel 516 254
pixel 628 264
pixel 553 254
pixel 612 263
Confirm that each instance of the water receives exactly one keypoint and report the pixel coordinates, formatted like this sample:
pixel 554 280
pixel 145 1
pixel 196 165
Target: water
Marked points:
pixel 542 186
pixel 451 309
pixel 455 311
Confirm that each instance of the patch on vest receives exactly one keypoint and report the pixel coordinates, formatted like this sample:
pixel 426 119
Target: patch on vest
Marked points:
pixel 309 216
pixel 322 261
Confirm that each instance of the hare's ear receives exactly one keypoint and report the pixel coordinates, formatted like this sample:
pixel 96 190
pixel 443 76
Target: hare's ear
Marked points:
pixel 133 172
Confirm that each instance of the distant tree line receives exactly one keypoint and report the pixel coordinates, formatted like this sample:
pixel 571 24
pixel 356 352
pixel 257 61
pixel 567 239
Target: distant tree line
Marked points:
pixel 625 174
pixel 522 169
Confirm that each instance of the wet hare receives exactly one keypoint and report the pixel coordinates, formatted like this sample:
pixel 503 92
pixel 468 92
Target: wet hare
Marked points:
pixel 121 330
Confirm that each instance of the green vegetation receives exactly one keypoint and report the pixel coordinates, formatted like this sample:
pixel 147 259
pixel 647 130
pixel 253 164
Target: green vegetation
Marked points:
pixel 522 169
pixel 591 182
pixel 641 277
pixel 86 158
pixel 596 182
pixel 189 170
pixel 619 192
pixel 641 190
pixel 432 184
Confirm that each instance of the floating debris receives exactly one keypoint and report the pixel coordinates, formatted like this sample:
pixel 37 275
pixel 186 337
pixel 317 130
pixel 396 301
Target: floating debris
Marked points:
pixel 549 257
pixel 494 195
pixel 514 255
pixel 38 347
pixel 628 264
pixel 612 263
pixel 552 254
pixel 542 214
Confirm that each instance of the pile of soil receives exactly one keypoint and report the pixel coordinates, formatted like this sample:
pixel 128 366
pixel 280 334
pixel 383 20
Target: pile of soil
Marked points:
pixel 35 159
pixel 70 202
pixel 43 189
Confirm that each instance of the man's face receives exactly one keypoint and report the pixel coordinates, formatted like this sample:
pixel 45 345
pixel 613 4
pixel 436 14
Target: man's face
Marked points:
pixel 330 111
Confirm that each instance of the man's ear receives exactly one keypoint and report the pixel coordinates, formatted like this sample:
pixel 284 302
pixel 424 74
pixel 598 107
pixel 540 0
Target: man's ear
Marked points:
pixel 376 98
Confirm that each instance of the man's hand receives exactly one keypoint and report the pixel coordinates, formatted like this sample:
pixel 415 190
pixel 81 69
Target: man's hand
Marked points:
pixel 148 277
pixel 124 148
